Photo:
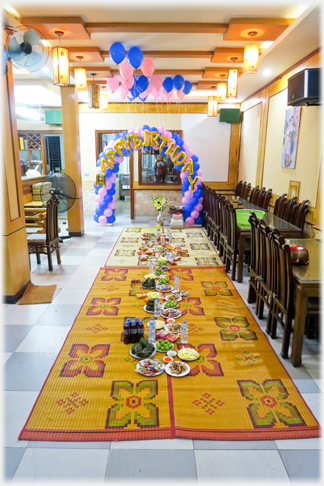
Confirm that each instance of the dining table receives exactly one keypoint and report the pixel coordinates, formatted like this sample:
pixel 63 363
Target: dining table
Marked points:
pixel 307 283
pixel 286 229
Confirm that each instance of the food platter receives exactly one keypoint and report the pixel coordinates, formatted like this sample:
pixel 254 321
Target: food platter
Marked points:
pixel 187 359
pixel 160 350
pixel 169 372
pixel 134 355
pixel 150 367
pixel 166 327
pixel 165 289
pixel 177 313
pixel 164 306
pixel 170 297
pixel 151 312
pixel 158 324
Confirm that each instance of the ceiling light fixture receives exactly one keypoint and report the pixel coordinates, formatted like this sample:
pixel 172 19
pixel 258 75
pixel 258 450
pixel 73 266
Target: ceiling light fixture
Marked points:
pixel 104 101
pixel 251 55
pixel 80 76
pixel 232 80
pixel 94 94
pixel 61 67
pixel 221 89
pixel 212 104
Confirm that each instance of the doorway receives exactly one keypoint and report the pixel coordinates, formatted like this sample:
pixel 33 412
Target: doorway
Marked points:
pixel 124 178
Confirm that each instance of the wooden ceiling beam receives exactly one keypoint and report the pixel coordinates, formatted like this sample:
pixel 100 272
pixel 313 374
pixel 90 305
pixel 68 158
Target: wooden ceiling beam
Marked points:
pixel 173 54
pixel 160 27
pixel 169 72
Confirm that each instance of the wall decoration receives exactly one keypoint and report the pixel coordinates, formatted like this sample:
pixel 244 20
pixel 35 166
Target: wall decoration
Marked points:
pixel 294 187
pixel 166 143
pixel 289 149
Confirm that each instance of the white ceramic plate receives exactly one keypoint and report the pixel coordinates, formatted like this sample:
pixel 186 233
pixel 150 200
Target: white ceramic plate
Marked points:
pixel 151 312
pixel 173 317
pixel 186 359
pixel 139 357
pixel 166 327
pixel 177 300
pixel 168 288
pixel 142 372
pixel 167 369
pixel 159 326
pixel 164 307
pixel 159 351
pixel 151 275
pixel 148 290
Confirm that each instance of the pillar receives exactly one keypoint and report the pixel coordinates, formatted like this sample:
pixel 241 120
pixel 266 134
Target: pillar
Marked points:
pixel 71 143
pixel 14 240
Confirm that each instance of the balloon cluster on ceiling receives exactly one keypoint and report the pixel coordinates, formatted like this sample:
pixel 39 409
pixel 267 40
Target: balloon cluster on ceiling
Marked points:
pixel 170 145
pixel 132 87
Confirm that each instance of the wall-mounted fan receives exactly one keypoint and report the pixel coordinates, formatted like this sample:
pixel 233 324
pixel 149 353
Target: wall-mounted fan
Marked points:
pixel 26 49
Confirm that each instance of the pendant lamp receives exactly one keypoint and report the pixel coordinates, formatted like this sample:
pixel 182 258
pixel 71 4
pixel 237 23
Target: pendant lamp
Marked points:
pixel 221 89
pixel 80 76
pixel 251 55
pixel 104 101
pixel 232 80
pixel 212 105
pixel 94 95
pixel 61 67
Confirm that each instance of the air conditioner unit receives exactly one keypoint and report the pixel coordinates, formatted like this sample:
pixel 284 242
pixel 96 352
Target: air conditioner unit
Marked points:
pixel 304 88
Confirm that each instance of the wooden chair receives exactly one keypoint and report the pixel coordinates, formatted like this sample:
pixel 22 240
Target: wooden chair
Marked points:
pixel 246 190
pixel 289 209
pixel 253 195
pixel 232 242
pixel 223 227
pixel 264 296
pixel 46 243
pixel 265 199
pixel 205 190
pixel 211 215
pixel 260 196
pixel 254 260
pixel 238 189
pixel 299 214
pixel 280 205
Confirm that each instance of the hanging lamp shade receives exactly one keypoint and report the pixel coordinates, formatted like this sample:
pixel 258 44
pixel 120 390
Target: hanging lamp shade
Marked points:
pixel 94 95
pixel 212 105
pixel 103 101
pixel 80 77
pixel 232 81
pixel 251 56
pixel 61 66
pixel 221 90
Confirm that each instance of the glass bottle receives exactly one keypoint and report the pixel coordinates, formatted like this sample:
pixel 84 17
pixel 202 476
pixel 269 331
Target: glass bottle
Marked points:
pixel 126 332
pixel 133 332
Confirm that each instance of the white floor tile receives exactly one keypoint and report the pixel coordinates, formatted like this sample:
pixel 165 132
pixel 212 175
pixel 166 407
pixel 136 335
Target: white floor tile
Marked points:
pixel 108 239
pixel 44 339
pixel 99 253
pixel 70 296
pixel 17 407
pixel 72 260
pixel 23 314
pixel 83 269
pixel 62 464
pixel 98 260
pixel 153 444
pixel 58 280
pixel 82 244
pixel 313 401
pixel 315 443
pixel 75 282
pixel 5 357
pixel 242 465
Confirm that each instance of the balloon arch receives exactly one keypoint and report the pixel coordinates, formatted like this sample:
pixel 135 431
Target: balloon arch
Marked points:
pixel 170 144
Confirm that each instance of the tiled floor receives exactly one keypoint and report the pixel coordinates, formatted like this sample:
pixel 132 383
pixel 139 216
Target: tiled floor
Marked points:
pixel 33 336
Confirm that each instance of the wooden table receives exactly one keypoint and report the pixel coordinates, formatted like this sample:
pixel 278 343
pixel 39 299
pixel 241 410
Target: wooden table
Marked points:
pixel 287 230
pixel 307 280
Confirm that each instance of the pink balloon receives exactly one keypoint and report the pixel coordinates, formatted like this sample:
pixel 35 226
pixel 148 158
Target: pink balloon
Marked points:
pixel 126 70
pixel 128 83
pixel 185 201
pixel 139 132
pixel 111 144
pixel 189 152
pixel 199 207
pixel 189 220
pixel 154 93
pixel 102 192
pixel 181 95
pixel 118 160
pixel 149 89
pixel 170 96
pixel 102 219
pixel 143 95
pixel 122 93
pixel 182 175
pixel 156 81
pixel 96 204
pixel 112 205
pixel 194 214
pixel 161 95
pixel 98 170
pixel 201 199
pixel 108 212
pixel 168 134
pixel 98 199
pixel 188 195
pixel 199 172
pixel 114 197
pixel 199 181
pixel 162 130
pixel 112 84
pixel 186 173
pixel 108 185
pixel 185 146
pixel 147 67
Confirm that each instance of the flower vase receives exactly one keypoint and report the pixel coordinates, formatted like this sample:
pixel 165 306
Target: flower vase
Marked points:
pixel 160 218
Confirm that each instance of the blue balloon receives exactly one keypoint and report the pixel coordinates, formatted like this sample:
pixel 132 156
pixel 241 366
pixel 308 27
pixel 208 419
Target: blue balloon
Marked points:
pixel 108 173
pixel 187 87
pixel 144 99
pixel 102 205
pixel 117 52
pixel 108 198
pixel 135 57
pixel 154 129
pixel 102 154
pixel 194 158
pixel 96 191
pixel 142 83
pixel 111 219
pixel 145 127
pixel 116 136
pixel 113 185
pixel 188 207
pixel 175 137
pixel 98 163
pixel 168 84
pixel 196 167
pixel 181 141
pixel 178 82
pixel 124 134
pixel 96 218
pixel 194 201
pixel 115 169
pixel 199 220
pixel 130 98
pixel 97 187
pixel 99 212
pixel 199 194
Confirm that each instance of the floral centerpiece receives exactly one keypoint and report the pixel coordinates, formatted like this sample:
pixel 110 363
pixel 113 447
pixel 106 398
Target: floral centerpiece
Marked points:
pixel 160 203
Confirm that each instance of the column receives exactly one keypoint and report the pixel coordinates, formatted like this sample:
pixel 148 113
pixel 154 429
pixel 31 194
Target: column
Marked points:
pixel 15 247
pixel 71 143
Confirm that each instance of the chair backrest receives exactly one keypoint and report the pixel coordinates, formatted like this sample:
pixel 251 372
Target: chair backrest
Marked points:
pixel 265 264
pixel 280 205
pixel 253 195
pixel 222 202
pixel 216 208
pixel 260 196
pixel 232 230
pixel 283 269
pixel 238 189
pixel 51 220
pixel 255 245
pixel 289 208
pixel 265 199
pixel 300 213
pixel 246 190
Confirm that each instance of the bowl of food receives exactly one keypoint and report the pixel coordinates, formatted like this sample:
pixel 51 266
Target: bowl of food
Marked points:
pixel 174 296
pixel 167 359
pixel 173 327
pixel 164 288
pixel 172 353
pixel 188 354
pixel 163 346
pixel 177 369
pixel 148 283
pixel 158 272
pixel 174 313
pixel 171 304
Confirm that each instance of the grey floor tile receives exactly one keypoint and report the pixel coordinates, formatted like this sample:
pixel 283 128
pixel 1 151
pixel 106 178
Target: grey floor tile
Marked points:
pixel 4 358
pixel 68 296
pixel 76 282
pixel 58 315
pixel 313 400
pixel 234 444
pixel 315 443
pixel 44 339
pixel 242 465
pixel 301 465
pixel 13 336
pixel 23 314
pixel 17 407
pixel 62 464
pixel 35 444
pixel 154 465
pixel 27 371
pixel 98 260
pixel 71 252
pixel 106 246
pixel 57 270
pixel 12 457
pixel 153 444
pixel 307 386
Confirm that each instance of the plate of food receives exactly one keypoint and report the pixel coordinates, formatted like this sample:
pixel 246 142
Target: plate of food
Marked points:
pixel 150 275
pixel 177 369
pixel 158 324
pixel 163 346
pixel 143 349
pixel 154 295
pixel 175 295
pixel 164 288
pixel 165 268
pixel 161 261
pixel 150 367
pixel 170 304
pixel 163 281
pixel 174 313
pixel 148 284
pixel 149 306
pixel 188 354
pixel 173 327
pixel 159 272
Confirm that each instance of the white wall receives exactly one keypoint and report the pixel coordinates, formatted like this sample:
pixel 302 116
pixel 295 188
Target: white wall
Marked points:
pixel 249 144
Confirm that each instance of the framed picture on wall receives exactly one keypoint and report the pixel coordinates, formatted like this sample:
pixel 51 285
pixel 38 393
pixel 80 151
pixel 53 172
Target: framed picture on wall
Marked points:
pixel 291 128
pixel 293 189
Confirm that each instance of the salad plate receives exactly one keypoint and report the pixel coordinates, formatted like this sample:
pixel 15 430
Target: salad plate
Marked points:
pixel 150 367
